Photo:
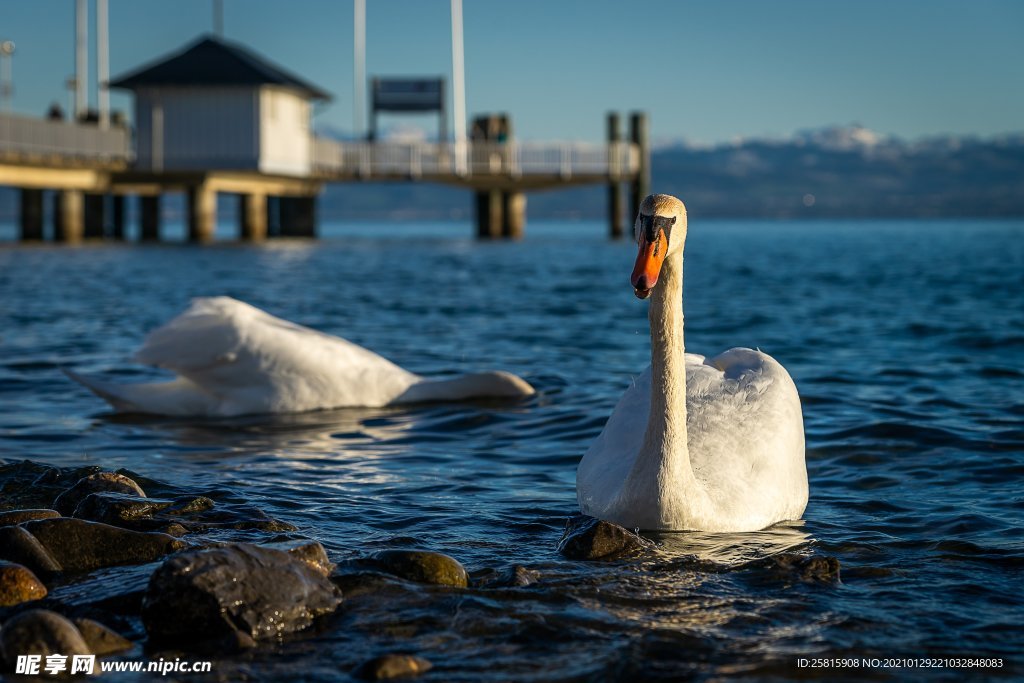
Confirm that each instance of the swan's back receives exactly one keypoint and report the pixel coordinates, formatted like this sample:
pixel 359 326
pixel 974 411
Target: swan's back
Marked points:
pixel 745 440
pixel 248 361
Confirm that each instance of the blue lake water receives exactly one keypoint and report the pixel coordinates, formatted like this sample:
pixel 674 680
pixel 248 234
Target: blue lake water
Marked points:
pixel 905 339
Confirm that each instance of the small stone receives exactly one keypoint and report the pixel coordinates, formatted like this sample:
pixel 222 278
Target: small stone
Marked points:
pixel 809 568
pixel 18 545
pixel 100 639
pixel 40 632
pixel 422 566
pixel 516 576
pixel 78 545
pixel 113 507
pixel 18 584
pixel 391 666
pixel 314 555
pixel 234 593
pixel 101 481
pixel 13 517
pixel 589 538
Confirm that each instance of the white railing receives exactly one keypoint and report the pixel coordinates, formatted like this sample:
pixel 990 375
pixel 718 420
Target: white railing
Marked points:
pixel 391 159
pixel 23 135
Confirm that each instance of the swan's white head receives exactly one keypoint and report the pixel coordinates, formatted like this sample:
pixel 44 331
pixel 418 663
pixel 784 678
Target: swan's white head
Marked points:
pixel 660 230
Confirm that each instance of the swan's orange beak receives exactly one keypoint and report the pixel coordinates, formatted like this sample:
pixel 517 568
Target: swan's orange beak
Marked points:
pixel 648 264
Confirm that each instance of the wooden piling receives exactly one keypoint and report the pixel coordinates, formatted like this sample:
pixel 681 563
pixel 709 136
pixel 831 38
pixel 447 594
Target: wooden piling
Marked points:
pixel 489 205
pixel 615 221
pixel 95 216
pixel 298 216
pixel 30 214
pixel 68 216
pixel 117 216
pixel 513 214
pixel 202 213
pixel 149 218
pixel 640 187
pixel 252 216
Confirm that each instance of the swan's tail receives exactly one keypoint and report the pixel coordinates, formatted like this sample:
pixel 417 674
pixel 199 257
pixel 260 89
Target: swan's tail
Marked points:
pixel 177 397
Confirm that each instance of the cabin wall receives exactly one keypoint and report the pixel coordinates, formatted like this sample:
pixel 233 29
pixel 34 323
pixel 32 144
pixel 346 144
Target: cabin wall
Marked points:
pixel 197 128
pixel 285 145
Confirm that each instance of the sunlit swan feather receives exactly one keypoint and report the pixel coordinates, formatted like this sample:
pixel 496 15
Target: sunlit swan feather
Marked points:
pixel 709 444
pixel 234 359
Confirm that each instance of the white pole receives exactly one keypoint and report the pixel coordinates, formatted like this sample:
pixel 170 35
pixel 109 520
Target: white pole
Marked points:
pixel 81 58
pixel 458 90
pixel 103 63
pixel 359 68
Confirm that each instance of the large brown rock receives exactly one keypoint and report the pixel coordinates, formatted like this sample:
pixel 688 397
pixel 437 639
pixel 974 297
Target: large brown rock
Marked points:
pixel 67 502
pixel 78 545
pixel 236 594
pixel 18 584
pixel 100 639
pixel 12 517
pixel 18 545
pixel 40 632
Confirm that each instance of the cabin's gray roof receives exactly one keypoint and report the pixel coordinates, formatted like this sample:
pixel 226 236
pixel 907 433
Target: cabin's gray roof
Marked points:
pixel 212 61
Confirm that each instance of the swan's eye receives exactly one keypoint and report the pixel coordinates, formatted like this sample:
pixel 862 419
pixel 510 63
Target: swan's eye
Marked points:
pixel 650 226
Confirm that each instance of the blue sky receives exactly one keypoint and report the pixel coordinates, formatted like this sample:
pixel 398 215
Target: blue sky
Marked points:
pixel 705 71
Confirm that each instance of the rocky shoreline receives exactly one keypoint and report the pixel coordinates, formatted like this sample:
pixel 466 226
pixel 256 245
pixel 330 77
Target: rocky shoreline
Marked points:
pixel 115 564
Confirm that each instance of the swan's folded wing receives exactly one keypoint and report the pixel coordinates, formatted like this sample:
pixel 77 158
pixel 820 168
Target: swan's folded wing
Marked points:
pixel 256 362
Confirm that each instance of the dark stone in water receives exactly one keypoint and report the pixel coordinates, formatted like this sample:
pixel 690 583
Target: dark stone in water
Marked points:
pixel 100 639
pixel 391 666
pixel 111 507
pixel 589 538
pixel 14 517
pixel 314 555
pixel 67 502
pixel 18 584
pixel 813 568
pixel 79 546
pixel 422 566
pixel 235 595
pixel 516 576
pixel 18 545
pixel 40 632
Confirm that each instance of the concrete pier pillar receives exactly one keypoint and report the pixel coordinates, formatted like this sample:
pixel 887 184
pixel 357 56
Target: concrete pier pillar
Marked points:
pixel 149 218
pixel 298 216
pixel 68 216
pixel 30 214
pixel 95 216
pixel 117 216
pixel 513 214
pixel 489 206
pixel 616 228
pixel 202 213
pixel 252 216
pixel 641 185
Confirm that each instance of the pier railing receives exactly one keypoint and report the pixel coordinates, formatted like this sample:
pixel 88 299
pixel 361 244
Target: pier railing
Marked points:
pixel 62 141
pixel 388 160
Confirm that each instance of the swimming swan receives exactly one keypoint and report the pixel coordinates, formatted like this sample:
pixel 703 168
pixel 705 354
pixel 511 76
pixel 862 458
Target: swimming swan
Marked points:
pixel 234 359
pixel 712 444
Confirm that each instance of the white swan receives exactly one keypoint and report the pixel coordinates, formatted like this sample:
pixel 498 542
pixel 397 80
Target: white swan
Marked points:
pixel 234 359
pixel 695 444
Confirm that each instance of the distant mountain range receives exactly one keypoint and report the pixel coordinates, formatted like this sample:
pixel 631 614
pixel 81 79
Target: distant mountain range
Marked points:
pixel 837 172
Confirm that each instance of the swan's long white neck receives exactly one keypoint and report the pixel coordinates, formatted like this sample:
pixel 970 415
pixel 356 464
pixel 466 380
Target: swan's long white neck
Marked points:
pixel 662 479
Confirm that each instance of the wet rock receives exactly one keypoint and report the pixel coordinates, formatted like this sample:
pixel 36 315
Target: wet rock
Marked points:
pixel 589 538
pixel 516 576
pixel 238 594
pixel 13 517
pixel 94 483
pixel 314 555
pixel 18 545
pixel 422 566
pixel 18 584
pixel 40 632
pixel 28 484
pixel 391 666
pixel 100 639
pixel 809 568
pixel 78 545
pixel 111 507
